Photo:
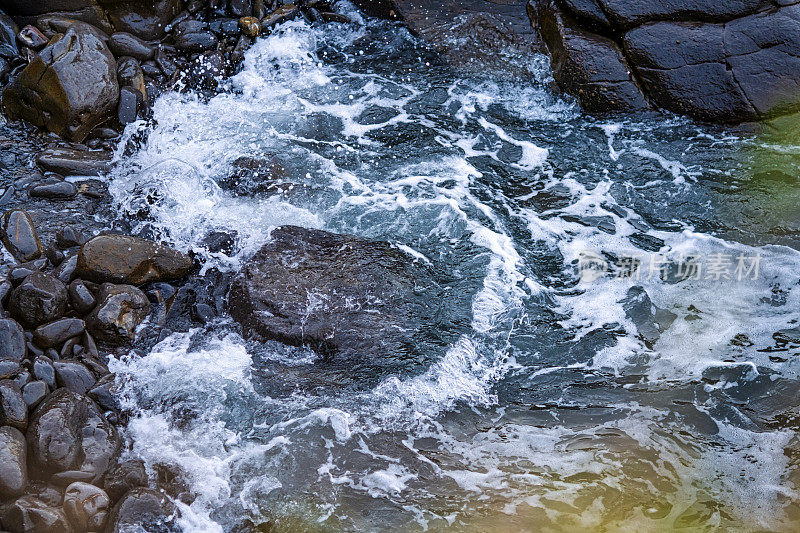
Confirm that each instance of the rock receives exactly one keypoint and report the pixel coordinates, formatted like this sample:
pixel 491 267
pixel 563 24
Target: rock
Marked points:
pixel 125 44
pixel 147 20
pixel 60 190
pixel 34 392
pixel 196 41
pixel 43 370
pixel 120 310
pixel 363 304
pixel 55 333
pixel 12 340
pixel 131 260
pixel 587 65
pixel 8 37
pixel 65 272
pixel 649 320
pixel 74 376
pixel 130 74
pixel 13 409
pixel 142 508
pixel 124 477
pixel 32 37
pixel 41 298
pixel 54 22
pixel 206 70
pixel 54 255
pixel 13 463
pixel 9 368
pixel 70 88
pixel 29 514
pixel 250 26
pixel 67 432
pixel 19 235
pixel 68 236
pixel 130 101
pixel 81 297
pixel 86 507
pixel 71 162
pixel 104 393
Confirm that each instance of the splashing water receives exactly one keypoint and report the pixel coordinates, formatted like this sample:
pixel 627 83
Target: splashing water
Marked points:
pixel 560 408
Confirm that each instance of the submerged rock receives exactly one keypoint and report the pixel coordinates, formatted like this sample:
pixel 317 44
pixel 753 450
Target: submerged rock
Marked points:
pixel 131 260
pixel 70 88
pixel 361 303
pixel 650 321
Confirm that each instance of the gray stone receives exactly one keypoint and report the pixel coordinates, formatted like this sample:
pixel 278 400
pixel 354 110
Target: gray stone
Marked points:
pixel 57 332
pixel 86 506
pixel 125 44
pixel 12 340
pixel 13 409
pixel 43 370
pixel 124 477
pixel 39 299
pixel 30 514
pixel 72 162
pixel 145 19
pixel 74 376
pixel 142 508
pixel 13 463
pixel 60 190
pixel 81 297
pixel 34 392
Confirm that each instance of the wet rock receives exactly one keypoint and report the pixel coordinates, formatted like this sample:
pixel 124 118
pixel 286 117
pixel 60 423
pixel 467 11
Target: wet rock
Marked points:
pixel 54 255
pixel 81 297
pixel 147 20
pixel 34 392
pixel 130 74
pixel 73 376
pixel 13 409
pixel 650 321
pixel 124 477
pixel 86 506
pixel 125 44
pixel 13 463
pixel 70 88
pixel 130 102
pixel 60 190
pixel 206 70
pixel 104 394
pixel 142 508
pixel 587 65
pixel 67 432
pixel 41 298
pixel 54 333
pixel 65 272
pixel 12 340
pixel 19 235
pixel 68 236
pixel 120 310
pixel 71 162
pixel 32 37
pixel 345 297
pixel 279 16
pixel 30 514
pixel 250 26
pixel 196 41
pixel 9 368
pixel 43 370
pixel 131 260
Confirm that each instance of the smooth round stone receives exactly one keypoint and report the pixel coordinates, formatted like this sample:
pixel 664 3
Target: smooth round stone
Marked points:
pixel 54 333
pixel 86 506
pixel 125 44
pixel 13 409
pixel 41 298
pixel 68 236
pixel 74 376
pixel 196 41
pixel 120 310
pixel 12 340
pixel 19 235
pixel 13 463
pixel 124 477
pixel 65 272
pixel 81 297
pixel 62 190
pixel 125 259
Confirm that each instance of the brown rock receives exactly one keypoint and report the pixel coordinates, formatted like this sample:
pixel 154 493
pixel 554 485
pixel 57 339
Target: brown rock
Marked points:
pixel 131 260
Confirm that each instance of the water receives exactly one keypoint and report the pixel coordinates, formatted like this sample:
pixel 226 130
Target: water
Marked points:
pixel 554 408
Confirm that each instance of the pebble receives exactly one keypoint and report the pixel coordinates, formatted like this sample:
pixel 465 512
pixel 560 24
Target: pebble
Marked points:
pixel 81 297
pixel 125 44
pixel 34 392
pixel 44 371
pixel 68 236
pixel 72 162
pixel 250 26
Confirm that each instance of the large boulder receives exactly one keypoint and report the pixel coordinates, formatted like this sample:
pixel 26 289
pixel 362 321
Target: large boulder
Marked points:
pixel 70 88
pixel 131 260
pixel 143 510
pixel 119 312
pixel 144 19
pixel 29 513
pixel 724 62
pixel 364 305
pixel 68 433
pixel 41 298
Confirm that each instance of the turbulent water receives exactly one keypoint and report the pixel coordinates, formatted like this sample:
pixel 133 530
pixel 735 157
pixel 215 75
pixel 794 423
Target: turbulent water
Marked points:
pixel 561 406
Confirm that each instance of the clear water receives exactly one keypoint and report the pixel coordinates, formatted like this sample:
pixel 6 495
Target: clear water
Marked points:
pixel 549 411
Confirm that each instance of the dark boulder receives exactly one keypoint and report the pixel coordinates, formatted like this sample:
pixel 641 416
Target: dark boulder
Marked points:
pixel 124 477
pixel 131 260
pixel 74 376
pixel 120 310
pixel 124 44
pixel 34 392
pixel 145 19
pixel 57 332
pixel 13 463
pixel 68 432
pixel 71 162
pixel 81 297
pixel 39 299
pixel 70 88
pixel 143 509
pixel 13 409
pixel 364 305
pixel 587 65
pixel 8 37
pixel 12 340
pixel 19 235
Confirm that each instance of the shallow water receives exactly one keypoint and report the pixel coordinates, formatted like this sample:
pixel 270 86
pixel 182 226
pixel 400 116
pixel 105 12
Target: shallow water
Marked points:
pixel 552 408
